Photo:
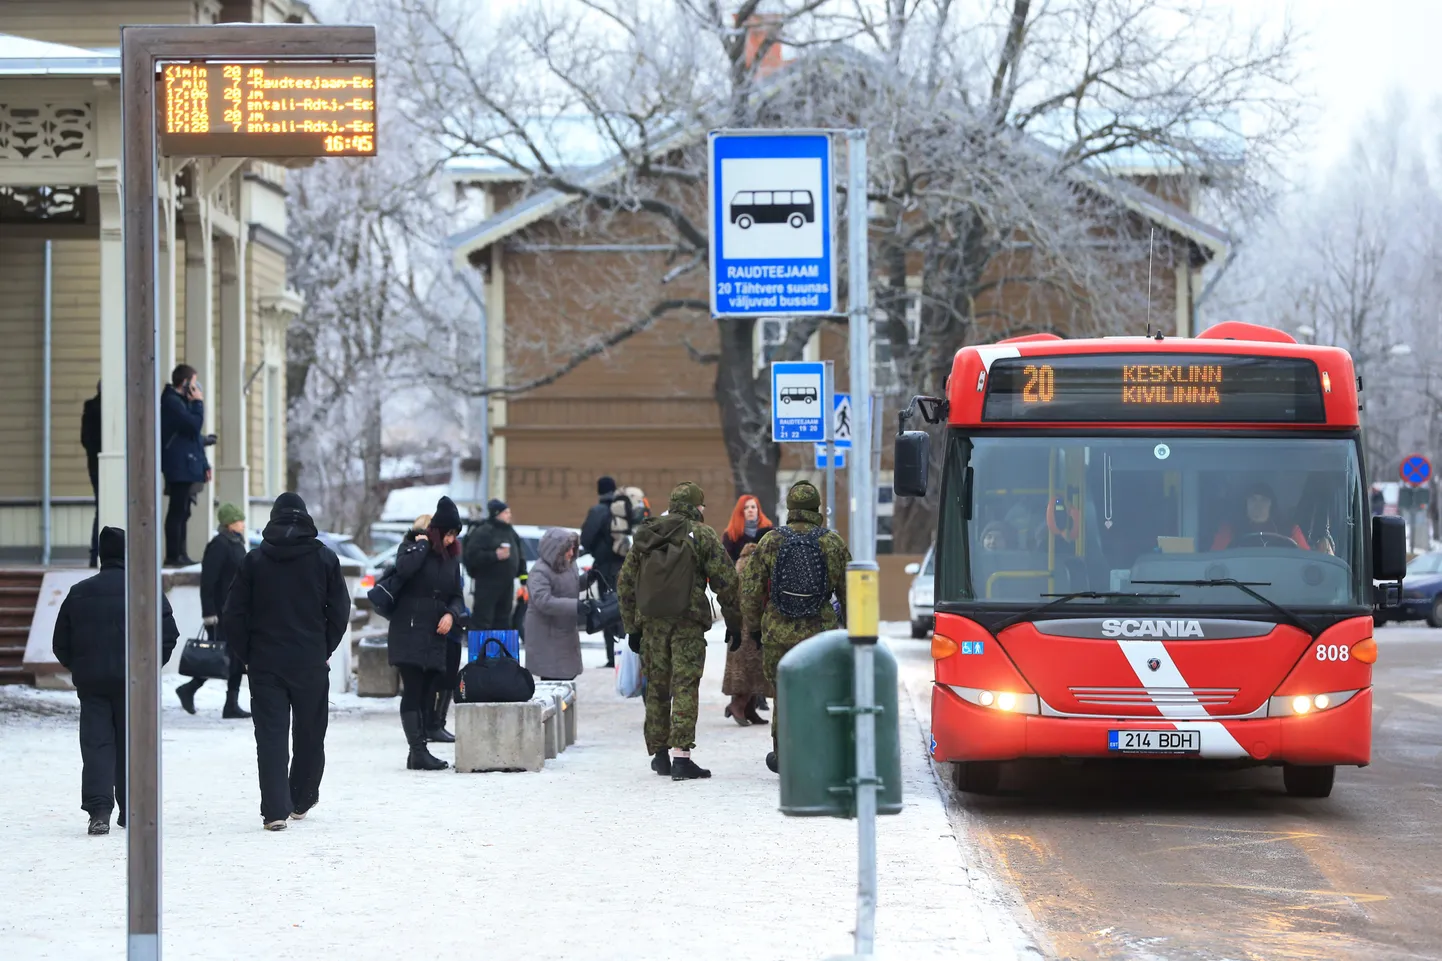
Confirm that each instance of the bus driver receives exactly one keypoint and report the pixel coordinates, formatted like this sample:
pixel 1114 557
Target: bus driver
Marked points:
pixel 1261 526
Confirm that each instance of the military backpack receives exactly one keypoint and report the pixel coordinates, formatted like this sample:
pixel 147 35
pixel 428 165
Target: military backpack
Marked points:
pixel 667 570
pixel 799 581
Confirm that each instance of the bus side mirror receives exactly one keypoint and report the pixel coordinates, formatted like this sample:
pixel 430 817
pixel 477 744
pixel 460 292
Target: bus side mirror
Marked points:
pixel 1389 547
pixel 912 463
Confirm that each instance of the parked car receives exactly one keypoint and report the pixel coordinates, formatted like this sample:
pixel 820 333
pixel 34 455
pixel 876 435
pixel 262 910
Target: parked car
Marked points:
pixel 343 545
pixel 920 598
pixel 1421 592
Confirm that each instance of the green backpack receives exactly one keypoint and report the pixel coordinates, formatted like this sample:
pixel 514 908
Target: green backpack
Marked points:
pixel 667 572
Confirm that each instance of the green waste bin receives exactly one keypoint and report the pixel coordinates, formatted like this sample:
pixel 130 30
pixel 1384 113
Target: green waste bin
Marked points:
pixel 817 746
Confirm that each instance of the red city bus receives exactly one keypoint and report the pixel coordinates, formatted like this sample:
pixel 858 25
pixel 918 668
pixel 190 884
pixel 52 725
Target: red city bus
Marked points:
pixel 1153 547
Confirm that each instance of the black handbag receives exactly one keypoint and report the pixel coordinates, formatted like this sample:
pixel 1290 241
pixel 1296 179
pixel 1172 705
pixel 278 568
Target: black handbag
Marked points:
pixel 495 680
pixel 603 613
pixel 205 657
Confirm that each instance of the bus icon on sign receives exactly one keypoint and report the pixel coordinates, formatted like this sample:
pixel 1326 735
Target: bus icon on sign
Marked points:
pixel 794 207
pixel 800 395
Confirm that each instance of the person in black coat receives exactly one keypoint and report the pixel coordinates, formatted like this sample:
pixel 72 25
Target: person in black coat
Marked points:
pixel 286 613
pixel 182 457
pixel 90 439
pixel 89 642
pixel 429 609
pixel 218 568
pixel 596 541
pixel 495 559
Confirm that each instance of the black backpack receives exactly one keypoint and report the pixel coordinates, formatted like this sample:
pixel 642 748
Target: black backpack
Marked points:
pixel 799 581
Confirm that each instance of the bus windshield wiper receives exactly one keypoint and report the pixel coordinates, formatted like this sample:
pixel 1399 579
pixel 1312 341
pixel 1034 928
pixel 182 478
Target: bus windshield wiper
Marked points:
pixel 1246 588
pixel 1057 600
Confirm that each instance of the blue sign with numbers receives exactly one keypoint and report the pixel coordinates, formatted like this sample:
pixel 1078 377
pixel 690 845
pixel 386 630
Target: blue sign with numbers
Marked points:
pixel 772 224
pixel 1416 469
pixel 798 401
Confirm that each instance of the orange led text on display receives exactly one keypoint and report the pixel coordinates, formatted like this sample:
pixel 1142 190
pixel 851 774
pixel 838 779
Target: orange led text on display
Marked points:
pixel 267 109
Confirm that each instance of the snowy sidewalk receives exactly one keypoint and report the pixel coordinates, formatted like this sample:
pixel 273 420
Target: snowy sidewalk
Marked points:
pixel 593 858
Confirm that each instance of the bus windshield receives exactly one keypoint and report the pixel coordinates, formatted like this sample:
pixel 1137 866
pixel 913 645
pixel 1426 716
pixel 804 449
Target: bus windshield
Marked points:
pixel 1023 517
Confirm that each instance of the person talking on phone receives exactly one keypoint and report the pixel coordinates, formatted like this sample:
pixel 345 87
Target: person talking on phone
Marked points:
pixel 182 457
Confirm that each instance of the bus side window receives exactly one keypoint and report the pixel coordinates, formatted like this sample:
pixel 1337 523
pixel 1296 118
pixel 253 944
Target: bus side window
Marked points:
pixel 743 199
pixel 763 197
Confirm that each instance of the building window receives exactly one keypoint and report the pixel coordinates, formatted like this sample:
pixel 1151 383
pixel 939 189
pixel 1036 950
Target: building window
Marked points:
pixel 770 335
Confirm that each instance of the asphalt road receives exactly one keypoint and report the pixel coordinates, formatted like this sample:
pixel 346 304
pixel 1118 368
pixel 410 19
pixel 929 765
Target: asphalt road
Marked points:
pixel 1132 861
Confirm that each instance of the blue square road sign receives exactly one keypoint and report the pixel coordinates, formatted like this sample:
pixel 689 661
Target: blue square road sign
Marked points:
pixel 772 224
pixel 798 400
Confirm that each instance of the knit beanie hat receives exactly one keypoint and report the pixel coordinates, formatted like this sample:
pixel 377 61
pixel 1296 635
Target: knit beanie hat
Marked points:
pixel 112 544
pixel 606 485
pixel 688 494
pixel 446 517
pixel 495 507
pixel 228 514
pixel 288 501
pixel 803 496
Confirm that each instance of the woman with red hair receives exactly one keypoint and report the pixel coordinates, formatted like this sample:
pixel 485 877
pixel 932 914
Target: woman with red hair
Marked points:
pixel 747 526
pixel 743 679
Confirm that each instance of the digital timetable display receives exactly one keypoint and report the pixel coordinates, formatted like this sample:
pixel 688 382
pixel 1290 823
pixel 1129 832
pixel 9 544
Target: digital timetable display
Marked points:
pixel 269 108
pixel 1226 388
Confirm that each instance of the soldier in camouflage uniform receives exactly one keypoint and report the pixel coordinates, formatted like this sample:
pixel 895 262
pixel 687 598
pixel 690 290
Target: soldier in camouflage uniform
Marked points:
pixel 778 633
pixel 673 650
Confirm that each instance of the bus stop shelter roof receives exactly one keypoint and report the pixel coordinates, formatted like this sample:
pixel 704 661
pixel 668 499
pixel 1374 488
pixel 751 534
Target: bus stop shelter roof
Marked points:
pixel 23 57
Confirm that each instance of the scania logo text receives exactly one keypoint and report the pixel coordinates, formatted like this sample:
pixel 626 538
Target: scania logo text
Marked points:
pixel 1129 627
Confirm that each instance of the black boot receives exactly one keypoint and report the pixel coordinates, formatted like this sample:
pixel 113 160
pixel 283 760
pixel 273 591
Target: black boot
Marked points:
pixel 419 759
pixel 99 824
pixel 661 763
pixel 773 759
pixel 232 709
pixel 685 769
pixel 436 730
pixel 186 693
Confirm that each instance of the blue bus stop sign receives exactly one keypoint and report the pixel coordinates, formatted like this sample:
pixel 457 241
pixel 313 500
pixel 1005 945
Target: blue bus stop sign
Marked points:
pixel 771 224
pixel 798 400
pixel 1416 469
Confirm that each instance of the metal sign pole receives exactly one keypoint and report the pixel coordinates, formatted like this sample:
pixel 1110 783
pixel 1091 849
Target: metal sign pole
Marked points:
pixel 142 479
pixel 830 407
pixel 141 49
pixel 861 573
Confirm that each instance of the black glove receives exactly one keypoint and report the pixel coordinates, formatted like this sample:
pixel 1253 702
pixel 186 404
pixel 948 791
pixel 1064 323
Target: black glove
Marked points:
pixel 634 642
pixel 756 639
pixel 733 640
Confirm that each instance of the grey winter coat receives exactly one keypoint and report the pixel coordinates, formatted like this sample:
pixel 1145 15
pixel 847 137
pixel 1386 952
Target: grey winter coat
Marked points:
pixel 553 640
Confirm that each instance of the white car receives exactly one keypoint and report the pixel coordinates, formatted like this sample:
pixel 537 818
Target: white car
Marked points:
pixel 921 597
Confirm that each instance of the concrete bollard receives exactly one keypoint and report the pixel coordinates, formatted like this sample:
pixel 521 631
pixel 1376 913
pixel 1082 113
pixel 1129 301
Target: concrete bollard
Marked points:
pixel 500 737
pixel 374 676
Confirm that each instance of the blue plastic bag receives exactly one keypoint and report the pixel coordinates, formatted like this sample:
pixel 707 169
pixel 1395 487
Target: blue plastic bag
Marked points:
pixel 475 641
pixel 629 682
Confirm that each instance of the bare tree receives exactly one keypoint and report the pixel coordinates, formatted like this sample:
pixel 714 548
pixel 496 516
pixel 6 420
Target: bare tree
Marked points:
pixel 378 334
pixel 990 131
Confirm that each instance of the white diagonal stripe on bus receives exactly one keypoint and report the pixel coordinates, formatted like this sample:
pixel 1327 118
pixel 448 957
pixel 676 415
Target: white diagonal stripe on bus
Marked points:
pixel 1217 741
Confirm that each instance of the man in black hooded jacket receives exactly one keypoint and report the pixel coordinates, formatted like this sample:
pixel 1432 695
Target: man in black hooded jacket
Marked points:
pixel 286 614
pixel 90 643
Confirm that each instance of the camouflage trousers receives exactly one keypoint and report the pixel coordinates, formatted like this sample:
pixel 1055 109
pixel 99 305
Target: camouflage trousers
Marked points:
pixel 771 654
pixel 672 660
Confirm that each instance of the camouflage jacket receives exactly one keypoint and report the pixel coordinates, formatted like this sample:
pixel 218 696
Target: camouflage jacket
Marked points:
pixel 756 584
pixel 713 567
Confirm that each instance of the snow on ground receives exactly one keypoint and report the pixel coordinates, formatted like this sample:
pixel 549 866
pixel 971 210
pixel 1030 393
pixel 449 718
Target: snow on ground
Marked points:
pixel 594 857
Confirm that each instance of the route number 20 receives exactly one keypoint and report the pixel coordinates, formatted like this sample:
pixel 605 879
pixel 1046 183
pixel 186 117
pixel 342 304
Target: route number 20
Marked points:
pixel 1040 384
pixel 1333 652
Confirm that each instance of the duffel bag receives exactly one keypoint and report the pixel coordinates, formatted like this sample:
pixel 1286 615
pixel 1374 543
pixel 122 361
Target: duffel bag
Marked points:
pixel 494 679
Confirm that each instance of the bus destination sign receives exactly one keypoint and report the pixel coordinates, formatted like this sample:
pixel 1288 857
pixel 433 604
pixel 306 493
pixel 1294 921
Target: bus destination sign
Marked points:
pixel 267 108
pixel 1225 388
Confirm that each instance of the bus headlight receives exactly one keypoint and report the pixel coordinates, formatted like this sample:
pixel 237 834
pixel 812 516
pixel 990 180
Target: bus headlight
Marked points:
pixel 1295 705
pixel 1011 702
